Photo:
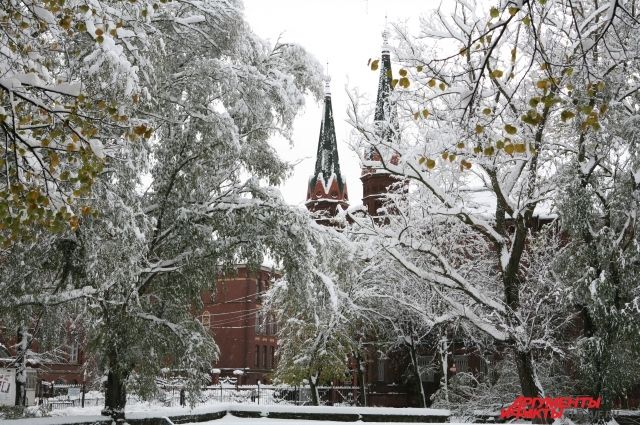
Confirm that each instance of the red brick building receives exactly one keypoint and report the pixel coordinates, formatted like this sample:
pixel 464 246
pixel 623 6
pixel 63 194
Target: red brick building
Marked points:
pixel 245 336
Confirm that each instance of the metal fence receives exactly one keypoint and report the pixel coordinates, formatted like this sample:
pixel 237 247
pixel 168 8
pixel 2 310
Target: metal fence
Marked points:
pixel 241 394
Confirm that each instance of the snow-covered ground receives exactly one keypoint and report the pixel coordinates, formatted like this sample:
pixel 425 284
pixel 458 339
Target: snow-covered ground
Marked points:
pixel 144 410
pixel 229 419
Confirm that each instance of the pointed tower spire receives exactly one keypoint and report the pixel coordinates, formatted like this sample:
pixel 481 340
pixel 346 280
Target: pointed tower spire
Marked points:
pixel 327 189
pixel 386 115
pixel 376 181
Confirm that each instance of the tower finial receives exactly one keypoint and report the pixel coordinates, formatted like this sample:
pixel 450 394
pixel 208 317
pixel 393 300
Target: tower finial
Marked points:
pixel 385 36
pixel 327 81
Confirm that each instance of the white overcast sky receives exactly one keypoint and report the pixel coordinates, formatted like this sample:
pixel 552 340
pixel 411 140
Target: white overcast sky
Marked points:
pixel 346 33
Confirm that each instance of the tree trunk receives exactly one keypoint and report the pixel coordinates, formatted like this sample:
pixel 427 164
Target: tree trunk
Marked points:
pixel 416 373
pixel 527 375
pixel 313 385
pixel 362 397
pixel 529 380
pixel 116 392
pixel 23 340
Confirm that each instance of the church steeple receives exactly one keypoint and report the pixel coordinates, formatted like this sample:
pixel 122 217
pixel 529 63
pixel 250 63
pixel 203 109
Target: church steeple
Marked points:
pixel 327 188
pixel 386 116
pixel 376 181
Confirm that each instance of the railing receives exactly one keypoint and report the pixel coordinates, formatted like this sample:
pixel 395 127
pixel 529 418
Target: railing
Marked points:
pixel 272 394
pixel 241 394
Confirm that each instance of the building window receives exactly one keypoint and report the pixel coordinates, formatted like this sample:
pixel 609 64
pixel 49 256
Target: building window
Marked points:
pixel 427 368
pixel 73 352
pixel 269 325
pixel 461 362
pixel 264 356
pixel 269 359
pixel 206 320
pixel 273 357
pixel 381 370
pixel 260 323
pixel 257 364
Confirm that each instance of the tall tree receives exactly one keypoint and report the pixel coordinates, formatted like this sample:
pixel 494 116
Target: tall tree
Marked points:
pixel 482 141
pixel 186 194
pixel 316 324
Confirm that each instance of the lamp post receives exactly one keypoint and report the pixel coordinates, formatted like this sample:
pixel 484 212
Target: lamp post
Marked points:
pixel 84 380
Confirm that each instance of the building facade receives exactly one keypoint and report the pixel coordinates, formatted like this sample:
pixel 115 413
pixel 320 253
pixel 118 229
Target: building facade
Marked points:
pixel 245 336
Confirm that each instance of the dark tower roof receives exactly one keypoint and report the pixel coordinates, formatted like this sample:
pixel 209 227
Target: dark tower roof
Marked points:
pixel 327 163
pixel 377 183
pixel 386 116
pixel 327 190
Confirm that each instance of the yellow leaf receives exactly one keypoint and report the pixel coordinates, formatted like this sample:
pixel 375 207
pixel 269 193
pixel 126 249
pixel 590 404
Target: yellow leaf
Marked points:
pixel 374 64
pixel 431 163
pixel 486 111
pixel 494 12
pixel 403 72
pixel 496 73
pixel 566 115
pixel 442 86
pixel 509 148
pixel 479 128
pixel 513 11
pixel 54 160
pixel 542 84
pixel 510 129
pixel 520 148
pixel 404 82
pixel 419 68
pixel 139 130
pixel 425 113
pixel 603 108
pixel 432 83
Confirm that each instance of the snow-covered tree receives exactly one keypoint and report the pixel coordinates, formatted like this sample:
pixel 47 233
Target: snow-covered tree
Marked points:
pixel 317 327
pixel 493 101
pixel 70 76
pixel 215 101
pixel 599 207
pixel 184 196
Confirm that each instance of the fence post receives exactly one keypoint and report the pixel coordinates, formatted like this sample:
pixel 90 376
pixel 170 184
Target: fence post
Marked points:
pixel 258 392
pixel 83 391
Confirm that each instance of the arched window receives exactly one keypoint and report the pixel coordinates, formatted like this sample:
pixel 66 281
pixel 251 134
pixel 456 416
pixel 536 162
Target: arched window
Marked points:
pixel 206 320
pixel 73 352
